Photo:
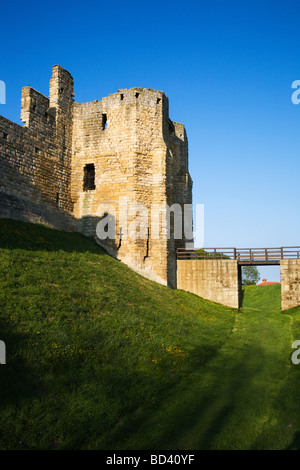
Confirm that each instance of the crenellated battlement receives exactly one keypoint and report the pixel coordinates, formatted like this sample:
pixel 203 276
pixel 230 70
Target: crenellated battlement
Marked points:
pixel 35 109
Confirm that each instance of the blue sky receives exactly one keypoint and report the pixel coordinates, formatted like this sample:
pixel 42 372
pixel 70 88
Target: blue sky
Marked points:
pixel 227 68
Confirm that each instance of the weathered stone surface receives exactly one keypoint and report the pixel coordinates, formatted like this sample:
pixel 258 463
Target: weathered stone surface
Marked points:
pixel 290 283
pixel 214 280
pixel 137 153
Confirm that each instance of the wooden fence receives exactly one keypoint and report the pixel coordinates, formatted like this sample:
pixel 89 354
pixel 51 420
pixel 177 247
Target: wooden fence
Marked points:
pixel 242 255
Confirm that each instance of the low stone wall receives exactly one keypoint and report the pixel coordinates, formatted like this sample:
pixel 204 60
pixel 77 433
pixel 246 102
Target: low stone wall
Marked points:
pixel 214 280
pixel 290 283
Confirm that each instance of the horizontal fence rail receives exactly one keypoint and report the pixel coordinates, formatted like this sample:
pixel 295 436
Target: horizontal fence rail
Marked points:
pixel 242 255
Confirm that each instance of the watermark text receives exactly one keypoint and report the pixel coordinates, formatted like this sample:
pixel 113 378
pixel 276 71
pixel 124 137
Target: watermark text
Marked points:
pixel 295 359
pixel 135 220
pixel 296 95
pixel 2 352
pixel 2 92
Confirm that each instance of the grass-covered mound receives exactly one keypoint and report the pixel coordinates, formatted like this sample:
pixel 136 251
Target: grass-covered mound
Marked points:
pixel 100 358
pixel 89 342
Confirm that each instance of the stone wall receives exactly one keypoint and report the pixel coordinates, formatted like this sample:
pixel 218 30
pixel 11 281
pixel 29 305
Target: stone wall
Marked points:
pixel 35 178
pixel 214 280
pixel 290 283
pixel 139 156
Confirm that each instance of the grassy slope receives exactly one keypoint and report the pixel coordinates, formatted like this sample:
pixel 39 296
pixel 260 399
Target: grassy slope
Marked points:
pixel 282 428
pixel 99 357
pixel 245 397
pixel 89 342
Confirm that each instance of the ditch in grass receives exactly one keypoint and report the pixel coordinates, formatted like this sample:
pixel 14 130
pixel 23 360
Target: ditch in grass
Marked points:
pixel 100 358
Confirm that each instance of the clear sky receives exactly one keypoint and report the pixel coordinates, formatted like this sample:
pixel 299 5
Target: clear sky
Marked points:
pixel 227 68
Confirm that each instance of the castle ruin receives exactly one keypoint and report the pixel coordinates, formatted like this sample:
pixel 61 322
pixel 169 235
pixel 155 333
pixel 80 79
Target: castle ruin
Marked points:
pixel 70 158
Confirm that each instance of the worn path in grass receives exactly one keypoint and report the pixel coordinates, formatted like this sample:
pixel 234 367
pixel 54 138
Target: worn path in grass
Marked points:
pixel 245 398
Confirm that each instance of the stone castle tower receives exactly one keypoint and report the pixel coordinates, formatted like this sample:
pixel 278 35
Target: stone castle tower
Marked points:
pixel 71 159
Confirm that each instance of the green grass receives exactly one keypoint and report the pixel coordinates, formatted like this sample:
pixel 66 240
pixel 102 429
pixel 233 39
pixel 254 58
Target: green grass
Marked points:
pixel 100 358
pixel 260 298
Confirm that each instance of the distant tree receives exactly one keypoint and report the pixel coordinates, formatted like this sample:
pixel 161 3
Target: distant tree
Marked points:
pixel 250 275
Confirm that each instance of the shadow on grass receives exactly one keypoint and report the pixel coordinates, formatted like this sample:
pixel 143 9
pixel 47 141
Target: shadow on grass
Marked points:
pixel 15 234
pixel 284 433
pixel 195 412
pixel 19 384
pixel 15 381
pixel 295 444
